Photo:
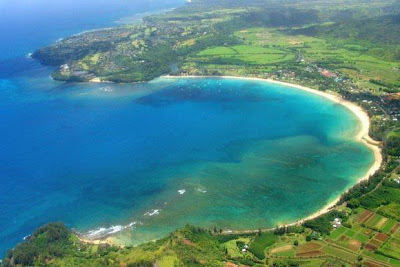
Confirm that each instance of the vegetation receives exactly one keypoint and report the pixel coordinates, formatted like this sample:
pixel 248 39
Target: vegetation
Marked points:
pixel 260 243
pixel 323 224
pixel 51 240
pixel 393 143
pixel 203 38
pixel 350 48
pixel 366 237
pixel 366 233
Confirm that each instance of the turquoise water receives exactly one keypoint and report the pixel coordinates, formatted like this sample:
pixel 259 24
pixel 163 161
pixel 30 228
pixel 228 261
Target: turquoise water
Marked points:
pixel 148 158
pixel 245 155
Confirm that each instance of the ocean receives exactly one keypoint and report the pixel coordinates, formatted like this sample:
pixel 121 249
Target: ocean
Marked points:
pixel 140 160
pixel 26 25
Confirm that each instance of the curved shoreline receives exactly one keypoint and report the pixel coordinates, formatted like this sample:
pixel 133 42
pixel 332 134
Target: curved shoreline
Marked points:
pixel 362 136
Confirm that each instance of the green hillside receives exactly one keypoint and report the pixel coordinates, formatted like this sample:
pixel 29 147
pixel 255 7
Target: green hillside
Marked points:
pixel 162 44
pixel 384 29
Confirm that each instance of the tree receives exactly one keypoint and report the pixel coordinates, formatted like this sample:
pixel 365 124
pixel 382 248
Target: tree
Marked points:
pixel 353 203
pixel 279 263
pixel 48 241
pixel 393 144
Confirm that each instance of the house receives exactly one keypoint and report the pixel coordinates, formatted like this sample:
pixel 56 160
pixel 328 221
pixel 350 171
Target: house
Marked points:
pixel 336 223
pixel 327 73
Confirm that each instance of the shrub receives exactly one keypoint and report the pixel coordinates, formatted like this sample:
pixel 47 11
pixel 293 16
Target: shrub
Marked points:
pixel 247 262
pixel 240 244
pixel 323 224
pixel 353 203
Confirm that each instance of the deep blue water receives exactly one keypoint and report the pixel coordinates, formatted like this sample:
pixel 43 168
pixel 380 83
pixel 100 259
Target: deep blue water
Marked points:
pixel 26 25
pixel 247 154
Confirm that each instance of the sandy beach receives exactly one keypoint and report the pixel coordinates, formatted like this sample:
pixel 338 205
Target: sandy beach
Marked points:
pixel 104 241
pixel 362 136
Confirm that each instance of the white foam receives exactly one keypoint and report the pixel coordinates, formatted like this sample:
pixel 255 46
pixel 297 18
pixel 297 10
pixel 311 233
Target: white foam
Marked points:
pixel 103 231
pixel 152 212
pixel 97 232
pixel 201 190
pixel 106 89
pixel 182 191
pixel 116 229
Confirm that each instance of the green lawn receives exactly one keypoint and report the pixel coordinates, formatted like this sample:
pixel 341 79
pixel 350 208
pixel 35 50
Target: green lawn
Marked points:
pixel 362 238
pixel 167 261
pixel 373 222
pixel 261 242
pixel 391 248
pixel 350 233
pixel 243 54
pixel 394 262
pixel 389 224
pixel 393 210
pixel 375 256
pixel 217 51
pixel 233 249
pixel 340 253
pixel 337 232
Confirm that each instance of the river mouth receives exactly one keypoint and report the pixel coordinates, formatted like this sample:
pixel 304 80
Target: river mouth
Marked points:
pixel 138 161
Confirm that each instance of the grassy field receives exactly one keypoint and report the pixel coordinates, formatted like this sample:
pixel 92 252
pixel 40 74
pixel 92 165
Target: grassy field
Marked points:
pixel 233 249
pixel 371 236
pixel 262 242
pixel 270 49
pixel 391 248
pixel 351 59
pixel 243 55
pixel 167 261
